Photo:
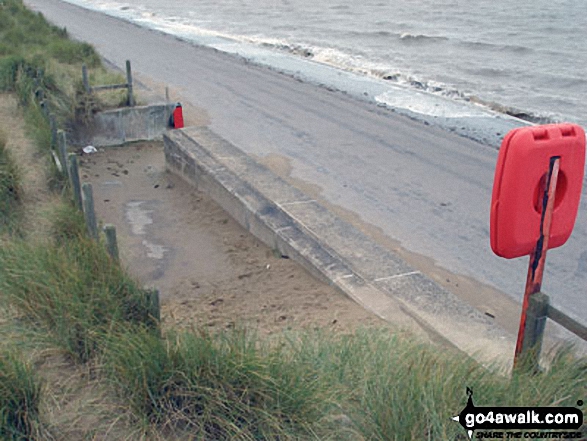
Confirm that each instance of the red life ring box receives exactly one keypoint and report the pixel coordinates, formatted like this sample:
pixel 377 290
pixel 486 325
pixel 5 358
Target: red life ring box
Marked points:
pixel 520 176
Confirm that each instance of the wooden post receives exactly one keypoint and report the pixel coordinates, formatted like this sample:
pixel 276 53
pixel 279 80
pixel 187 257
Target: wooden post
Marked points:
pixel 43 104
pixel 53 125
pixel 131 98
pixel 154 303
pixel 62 140
pixel 41 98
pixel 111 242
pixel 75 182
pixel 167 94
pixel 568 323
pixel 537 314
pixel 38 91
pixel 85 79
pixel 89 211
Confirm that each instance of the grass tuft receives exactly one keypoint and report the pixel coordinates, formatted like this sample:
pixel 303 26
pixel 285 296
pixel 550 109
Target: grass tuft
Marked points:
pixel 397 388
pixel 10 189
pixel 227 386
pixel 20 394
pixel 73 291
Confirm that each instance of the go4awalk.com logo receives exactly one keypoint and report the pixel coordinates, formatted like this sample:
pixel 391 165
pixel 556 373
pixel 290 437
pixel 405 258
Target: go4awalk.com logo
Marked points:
pixel 520 422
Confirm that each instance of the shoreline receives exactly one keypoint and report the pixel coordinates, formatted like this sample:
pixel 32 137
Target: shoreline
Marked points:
pixel 470 117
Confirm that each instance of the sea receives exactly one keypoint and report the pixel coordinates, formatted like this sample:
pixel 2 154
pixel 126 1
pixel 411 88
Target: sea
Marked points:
pixel 526 58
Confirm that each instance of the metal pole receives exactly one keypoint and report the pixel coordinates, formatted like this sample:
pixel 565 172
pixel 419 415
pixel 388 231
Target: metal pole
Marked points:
pixel 131 99
pixel 538 257
pixel 89 211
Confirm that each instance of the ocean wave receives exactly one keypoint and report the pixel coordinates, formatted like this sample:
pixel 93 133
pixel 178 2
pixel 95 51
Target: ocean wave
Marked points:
pixel 490 72
pixel 532 117
pixel 407 37
pixel 371 34
pixel 404 37
pixel 492 47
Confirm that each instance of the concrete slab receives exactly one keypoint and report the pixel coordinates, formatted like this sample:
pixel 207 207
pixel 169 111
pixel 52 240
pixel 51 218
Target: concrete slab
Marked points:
pixel 119 126
pixel 369 260
pixel 241 164
pixel 329 247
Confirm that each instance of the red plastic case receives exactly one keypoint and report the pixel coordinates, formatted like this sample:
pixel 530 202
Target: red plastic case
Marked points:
pixel 522 166
pixel 178 117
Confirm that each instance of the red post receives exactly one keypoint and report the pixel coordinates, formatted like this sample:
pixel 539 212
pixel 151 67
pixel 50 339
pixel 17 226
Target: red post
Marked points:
pixel 538 257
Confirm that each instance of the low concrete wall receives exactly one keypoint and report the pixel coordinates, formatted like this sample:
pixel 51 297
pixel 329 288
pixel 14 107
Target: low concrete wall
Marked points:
pixel 128 124
pixel 286 219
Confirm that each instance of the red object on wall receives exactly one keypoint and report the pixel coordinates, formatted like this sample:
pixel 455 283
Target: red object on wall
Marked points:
pixel 177 117
pixel 518 188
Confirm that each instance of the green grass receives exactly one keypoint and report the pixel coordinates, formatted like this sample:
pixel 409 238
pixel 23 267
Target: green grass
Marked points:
pixel 10 190
pixel 71 289
pixel 369 385
pixel 20 394
pixel 223 386
pixel 35 55
pixel 24 32
pixel 397 388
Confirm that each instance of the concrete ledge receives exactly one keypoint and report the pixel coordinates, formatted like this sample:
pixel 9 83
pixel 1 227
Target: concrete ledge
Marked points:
pixel 286 219
pixel 128 124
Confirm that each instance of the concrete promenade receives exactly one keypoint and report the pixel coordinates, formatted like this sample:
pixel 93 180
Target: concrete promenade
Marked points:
pixel 298 227
pixel 416 186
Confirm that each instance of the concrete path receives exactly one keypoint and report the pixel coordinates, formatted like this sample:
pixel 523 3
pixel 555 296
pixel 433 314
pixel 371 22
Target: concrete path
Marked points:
pixel 288 221
pixel 424 188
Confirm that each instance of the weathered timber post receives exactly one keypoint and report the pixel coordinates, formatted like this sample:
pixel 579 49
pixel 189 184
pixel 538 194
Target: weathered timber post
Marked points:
pixel 86 79
pixel 111 242
pixel 89 211
pixel 131 98
pixel 62 151
pixel 75 182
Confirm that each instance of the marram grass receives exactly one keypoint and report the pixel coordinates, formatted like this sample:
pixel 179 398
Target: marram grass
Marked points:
pixel 10 189
pixel 20 394
pixel 72 291
pixel 370 385
pixel 393 387
pixel 216 386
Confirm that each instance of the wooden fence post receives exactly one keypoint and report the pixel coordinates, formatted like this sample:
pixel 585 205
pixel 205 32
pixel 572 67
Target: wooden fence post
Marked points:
pixel 86 79
pixel 89 211
pixel 53 126
pixel 62 150
pixel 131 98
pixel 154 303
pixel 111 242
pixel 44 109
pixel 75 182
pixel 40 92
